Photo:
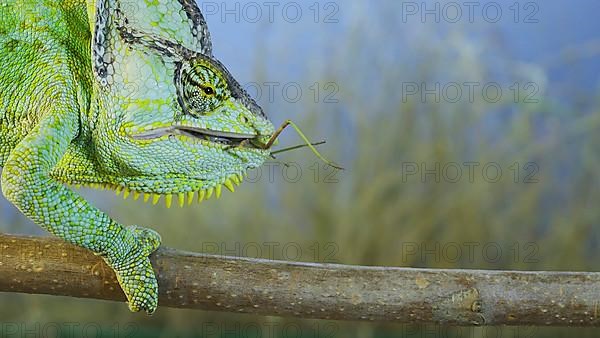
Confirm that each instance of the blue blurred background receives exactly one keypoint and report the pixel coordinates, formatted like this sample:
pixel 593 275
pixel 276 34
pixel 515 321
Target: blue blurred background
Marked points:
pixel 460 126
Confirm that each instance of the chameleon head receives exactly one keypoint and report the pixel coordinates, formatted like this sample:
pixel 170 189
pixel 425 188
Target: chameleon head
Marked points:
pixel 170 118
pixel 165 116
pixel 178 127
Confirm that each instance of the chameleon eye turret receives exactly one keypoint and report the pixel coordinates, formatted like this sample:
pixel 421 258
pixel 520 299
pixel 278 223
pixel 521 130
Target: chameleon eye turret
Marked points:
pixel 200 87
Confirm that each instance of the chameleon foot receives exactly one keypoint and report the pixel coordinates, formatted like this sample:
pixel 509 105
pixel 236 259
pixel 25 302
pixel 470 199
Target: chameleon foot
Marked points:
pixel 134 271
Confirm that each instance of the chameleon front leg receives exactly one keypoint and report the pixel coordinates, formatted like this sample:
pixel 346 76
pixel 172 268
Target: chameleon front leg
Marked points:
pixel 26 182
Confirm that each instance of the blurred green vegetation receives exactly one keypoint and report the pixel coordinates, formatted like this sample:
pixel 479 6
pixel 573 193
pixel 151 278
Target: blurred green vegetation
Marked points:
pixel 375 212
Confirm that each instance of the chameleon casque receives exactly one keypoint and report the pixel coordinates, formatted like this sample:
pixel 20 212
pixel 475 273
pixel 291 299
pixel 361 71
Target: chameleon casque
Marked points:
pixel 123 95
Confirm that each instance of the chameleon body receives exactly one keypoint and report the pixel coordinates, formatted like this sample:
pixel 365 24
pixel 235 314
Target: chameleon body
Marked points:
pixel 120 95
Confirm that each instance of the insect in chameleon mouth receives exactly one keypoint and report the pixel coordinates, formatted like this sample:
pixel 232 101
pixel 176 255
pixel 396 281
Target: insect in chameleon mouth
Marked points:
pixel 214 136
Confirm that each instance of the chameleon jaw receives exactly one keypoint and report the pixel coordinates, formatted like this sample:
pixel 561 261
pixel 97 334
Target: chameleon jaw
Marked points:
pixel 213 136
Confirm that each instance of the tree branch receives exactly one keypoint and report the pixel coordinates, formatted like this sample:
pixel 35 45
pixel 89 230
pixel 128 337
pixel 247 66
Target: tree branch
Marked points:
pixel 325 291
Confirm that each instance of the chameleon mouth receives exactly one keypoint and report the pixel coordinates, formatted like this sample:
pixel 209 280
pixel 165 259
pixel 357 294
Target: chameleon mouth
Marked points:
pixel 213 136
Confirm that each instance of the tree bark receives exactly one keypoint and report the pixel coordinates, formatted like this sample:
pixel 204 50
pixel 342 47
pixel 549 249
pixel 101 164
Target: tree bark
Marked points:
pixel 306 290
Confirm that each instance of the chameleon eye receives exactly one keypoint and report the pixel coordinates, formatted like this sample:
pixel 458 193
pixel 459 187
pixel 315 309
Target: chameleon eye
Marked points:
pixel 208 90
pixel 197 88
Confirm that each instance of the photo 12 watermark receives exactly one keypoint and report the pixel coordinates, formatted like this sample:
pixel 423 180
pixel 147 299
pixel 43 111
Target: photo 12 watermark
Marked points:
pixel 470 172
pixel 428 253
pixel 293 92
pixel 315 252
pixel 470 12
pixel 205 329
pixel 293 172
pixel 447 331
pixel 67 329
pixel 470 92
pixel 272 11
pixel 265 329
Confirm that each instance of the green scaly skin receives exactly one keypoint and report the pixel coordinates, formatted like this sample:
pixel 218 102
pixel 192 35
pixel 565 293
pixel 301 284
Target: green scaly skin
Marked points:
pixel 124 95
